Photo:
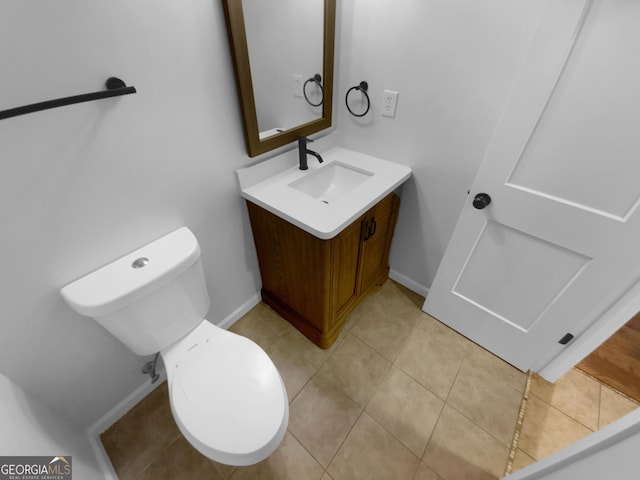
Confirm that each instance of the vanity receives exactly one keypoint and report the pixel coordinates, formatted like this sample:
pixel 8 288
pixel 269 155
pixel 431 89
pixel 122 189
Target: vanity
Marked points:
pixel 323 235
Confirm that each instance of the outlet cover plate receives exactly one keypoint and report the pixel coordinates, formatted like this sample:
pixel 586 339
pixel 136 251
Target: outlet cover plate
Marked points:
pixel 297 86
pixel 389 103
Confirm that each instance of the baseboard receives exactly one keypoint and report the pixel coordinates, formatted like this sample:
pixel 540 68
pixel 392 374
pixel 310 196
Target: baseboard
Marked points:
pixel 409 283
pixel 239 312
pixel 111 417
pixel 104 462
pixel 131 400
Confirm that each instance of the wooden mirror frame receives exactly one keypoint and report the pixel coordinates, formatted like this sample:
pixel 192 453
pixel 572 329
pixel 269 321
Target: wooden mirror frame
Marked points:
pixel 240 53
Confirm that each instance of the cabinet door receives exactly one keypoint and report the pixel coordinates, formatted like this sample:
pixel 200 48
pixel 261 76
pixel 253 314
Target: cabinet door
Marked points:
pixel 346 251
pixel 294 267
pixel 378 230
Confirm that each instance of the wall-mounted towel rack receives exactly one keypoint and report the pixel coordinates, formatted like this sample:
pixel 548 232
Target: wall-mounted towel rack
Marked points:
pixel 317 79
pixel 362 87
pixel 115 87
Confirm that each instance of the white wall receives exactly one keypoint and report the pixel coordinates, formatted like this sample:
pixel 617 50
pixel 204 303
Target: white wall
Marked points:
pixel 454 63
pixel 31 428
pixel 85 184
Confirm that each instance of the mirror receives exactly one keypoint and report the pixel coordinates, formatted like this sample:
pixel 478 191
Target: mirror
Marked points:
pixel 282 54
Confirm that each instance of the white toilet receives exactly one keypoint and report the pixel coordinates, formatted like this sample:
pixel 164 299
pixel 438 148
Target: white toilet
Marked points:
pixel 226 394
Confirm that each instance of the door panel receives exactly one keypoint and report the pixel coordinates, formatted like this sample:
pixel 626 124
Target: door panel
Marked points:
pixel 558 245
pixel 520 287
pixel 591 120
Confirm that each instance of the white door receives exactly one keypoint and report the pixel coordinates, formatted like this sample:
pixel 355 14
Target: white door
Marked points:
pixel 560 240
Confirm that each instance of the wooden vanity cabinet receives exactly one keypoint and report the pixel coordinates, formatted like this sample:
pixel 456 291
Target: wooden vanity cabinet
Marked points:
pixel 315 283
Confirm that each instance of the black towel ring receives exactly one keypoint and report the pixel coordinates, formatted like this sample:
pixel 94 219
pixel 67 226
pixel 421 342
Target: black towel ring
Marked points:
pixel 363 87
pixel 317 79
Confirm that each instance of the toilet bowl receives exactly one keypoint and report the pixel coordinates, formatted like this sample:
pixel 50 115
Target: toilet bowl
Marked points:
pixel 226 395
pixel 236 415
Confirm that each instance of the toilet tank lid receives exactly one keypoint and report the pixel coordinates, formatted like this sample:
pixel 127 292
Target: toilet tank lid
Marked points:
pixel 134 275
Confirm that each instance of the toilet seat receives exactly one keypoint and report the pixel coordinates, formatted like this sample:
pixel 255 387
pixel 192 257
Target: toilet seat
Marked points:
pixel 226 395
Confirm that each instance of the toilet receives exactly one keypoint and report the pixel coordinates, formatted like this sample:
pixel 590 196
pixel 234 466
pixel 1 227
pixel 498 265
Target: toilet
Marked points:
pixel 226 395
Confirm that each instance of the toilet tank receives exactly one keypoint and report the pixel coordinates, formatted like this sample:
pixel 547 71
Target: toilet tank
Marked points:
pixel 149 298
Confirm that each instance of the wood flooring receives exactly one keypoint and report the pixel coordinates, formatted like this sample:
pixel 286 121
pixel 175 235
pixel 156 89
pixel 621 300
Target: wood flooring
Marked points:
pixel 617 361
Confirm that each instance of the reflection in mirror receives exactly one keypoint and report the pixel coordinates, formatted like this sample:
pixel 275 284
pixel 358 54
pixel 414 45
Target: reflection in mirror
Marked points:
pixel 278 53
pixel 284 39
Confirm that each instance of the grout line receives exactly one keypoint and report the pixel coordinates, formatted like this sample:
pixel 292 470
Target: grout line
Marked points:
pixel 140 473
pixel 603 384
pixel 520 422
pixel 464 357
pixel 345 439
pixel 393 435
pixel 471 420
pixel 564 414
pixel 435 425
pixel 324 470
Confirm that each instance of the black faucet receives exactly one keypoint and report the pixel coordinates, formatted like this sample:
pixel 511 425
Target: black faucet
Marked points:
pixel 303 151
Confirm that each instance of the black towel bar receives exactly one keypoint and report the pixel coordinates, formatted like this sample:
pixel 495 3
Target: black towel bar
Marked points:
pixel 115 87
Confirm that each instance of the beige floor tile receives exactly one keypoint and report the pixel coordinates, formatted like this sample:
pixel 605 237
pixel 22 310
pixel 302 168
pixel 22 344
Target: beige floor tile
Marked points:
pixel 290 461
pixel 301 347
pixel 325 404
pixel 260 325
pixel 386 327
pixel 357 313
pixel 272 318
pixel 425 473
pixel 433 355
pixel 521 460
pixel 613 406
pixel 575 394
pixel 489 401
pixel 546 429
pixel 406 409
pixel 141 435
pixel 321 417
pixel 180 462
pixel 225 471
pixel 398 300
pixel 356 368
pixel 392 291
pixel 372 453
pixel 497 367
pixel 459 449
pixel 293 366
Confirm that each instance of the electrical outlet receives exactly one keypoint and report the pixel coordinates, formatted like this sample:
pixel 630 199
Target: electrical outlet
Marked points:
pixel 389 103
pixel 297 86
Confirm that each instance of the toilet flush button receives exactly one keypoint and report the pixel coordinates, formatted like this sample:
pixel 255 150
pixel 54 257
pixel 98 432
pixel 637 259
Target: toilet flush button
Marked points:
pixel 140 262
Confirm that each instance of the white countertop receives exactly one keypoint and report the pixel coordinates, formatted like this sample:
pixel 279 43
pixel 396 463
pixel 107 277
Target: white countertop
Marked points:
pixel 267 185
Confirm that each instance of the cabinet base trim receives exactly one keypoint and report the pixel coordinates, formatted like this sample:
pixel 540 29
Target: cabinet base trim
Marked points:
pixel 323 340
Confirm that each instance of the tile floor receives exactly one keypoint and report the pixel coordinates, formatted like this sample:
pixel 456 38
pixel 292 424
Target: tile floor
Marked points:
pixel 398 396
pixel 557 415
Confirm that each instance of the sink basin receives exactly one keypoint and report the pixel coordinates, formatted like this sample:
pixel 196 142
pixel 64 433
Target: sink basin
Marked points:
pixel 331 182
pixel 328 197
